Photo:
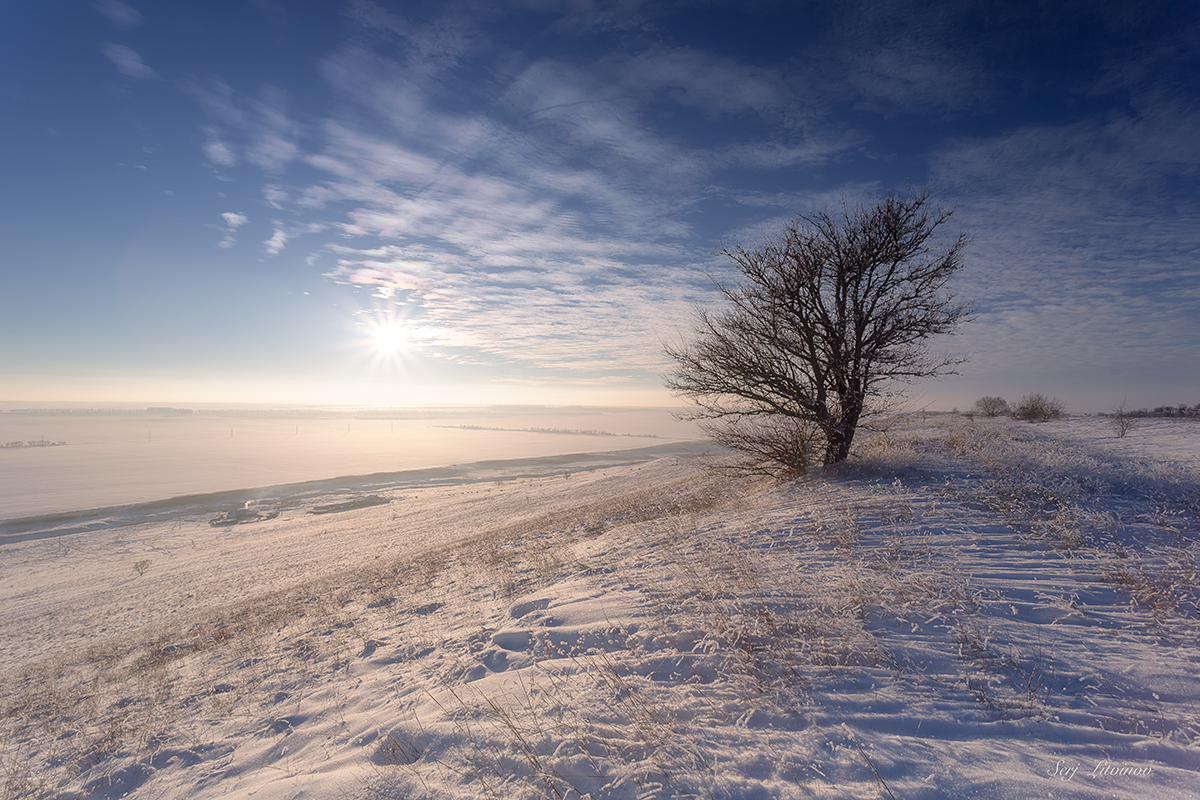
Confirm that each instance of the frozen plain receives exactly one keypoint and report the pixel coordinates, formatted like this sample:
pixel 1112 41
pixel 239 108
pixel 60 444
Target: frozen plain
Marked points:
pixel 117 457
pixel 968 609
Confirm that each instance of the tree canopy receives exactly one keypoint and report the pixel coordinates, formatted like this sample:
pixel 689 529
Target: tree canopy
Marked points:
pixel 828 316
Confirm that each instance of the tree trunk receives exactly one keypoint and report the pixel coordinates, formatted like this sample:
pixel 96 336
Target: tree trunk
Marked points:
pixel 838 445
pixel 840 435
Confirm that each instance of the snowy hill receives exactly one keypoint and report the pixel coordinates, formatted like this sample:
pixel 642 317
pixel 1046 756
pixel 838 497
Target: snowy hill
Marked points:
pixel 980 609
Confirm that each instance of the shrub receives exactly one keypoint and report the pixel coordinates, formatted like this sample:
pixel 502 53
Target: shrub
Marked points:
pixel 1123 420
pixel 1038 408
pixel 991 406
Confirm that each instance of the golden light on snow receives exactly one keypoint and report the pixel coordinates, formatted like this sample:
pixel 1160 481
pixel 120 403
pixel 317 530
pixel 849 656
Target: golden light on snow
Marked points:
pixel 1086 693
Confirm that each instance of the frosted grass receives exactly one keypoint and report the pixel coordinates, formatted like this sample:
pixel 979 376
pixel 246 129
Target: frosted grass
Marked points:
pixel 980 609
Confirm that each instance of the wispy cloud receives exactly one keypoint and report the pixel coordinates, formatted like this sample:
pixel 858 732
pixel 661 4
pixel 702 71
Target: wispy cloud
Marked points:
pixel 231 221
pixel 278 239
pixel 257 128
pixel 127 61
pixel 711 84
pixel 123 15
pixel 560 212
pixel 901 59
pixel 547 226
pixel 1083 249
pixel 217 151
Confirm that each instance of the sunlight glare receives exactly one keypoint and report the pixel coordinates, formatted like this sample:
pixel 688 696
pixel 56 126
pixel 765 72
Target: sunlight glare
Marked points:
pixel 389 339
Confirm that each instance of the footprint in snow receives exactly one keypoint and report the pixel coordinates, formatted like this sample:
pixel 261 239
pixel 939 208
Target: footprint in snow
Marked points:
pixel 515 641
pixel 526 606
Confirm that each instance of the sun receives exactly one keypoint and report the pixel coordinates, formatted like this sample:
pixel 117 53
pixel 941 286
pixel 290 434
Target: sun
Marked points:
pixel 385 341
pixel 389 339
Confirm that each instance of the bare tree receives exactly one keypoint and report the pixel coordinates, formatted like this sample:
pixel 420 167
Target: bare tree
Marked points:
pixel 829 317
pixel 992 406
pixel 1123 420
pixel 1038 408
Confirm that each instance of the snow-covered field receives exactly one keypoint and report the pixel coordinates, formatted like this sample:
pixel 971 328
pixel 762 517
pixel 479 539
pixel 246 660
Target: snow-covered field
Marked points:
pixel 120 457
pixel 982 609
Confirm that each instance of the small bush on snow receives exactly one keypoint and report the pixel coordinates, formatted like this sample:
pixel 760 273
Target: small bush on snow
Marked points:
pixel 991 406
pixel 1038 408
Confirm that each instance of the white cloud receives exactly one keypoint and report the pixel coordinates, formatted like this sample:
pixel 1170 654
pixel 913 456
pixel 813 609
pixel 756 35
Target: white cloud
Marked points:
pixel 278 239
pixel 553 212
pixel 274 196
pixel 272 153
pixel 127 61
pixel 1084 258
pixel 218 152
pixel 544 229
pixel 593 313
pixel 232 221
pixel 123 15
pixel 703 81
pixel 257 128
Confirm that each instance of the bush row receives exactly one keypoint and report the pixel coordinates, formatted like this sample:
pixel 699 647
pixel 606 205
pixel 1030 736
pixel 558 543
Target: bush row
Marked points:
pixel 1030 408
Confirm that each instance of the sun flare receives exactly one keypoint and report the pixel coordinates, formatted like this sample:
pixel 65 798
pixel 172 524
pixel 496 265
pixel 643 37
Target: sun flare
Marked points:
pixel 389 339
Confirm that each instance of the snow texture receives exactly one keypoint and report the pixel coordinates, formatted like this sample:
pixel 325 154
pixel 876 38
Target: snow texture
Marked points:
pixel 965 609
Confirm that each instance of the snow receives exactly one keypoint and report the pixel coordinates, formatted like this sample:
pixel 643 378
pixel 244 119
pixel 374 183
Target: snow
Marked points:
pixel 980 608
pixel 121 457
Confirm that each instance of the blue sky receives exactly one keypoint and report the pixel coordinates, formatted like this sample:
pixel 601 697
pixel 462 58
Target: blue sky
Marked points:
pixel 407 202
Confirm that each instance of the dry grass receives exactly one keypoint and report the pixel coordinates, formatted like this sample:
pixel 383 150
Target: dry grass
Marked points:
pixel 762 620
pixel 748 620
pixel 1166 586
pixel 127 699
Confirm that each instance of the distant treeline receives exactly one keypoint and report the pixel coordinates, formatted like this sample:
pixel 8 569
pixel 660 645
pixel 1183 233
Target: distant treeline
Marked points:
pixel 572 431
pixel 33 443
pixel 1178 412
pixel 92 411
pixel 422 412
